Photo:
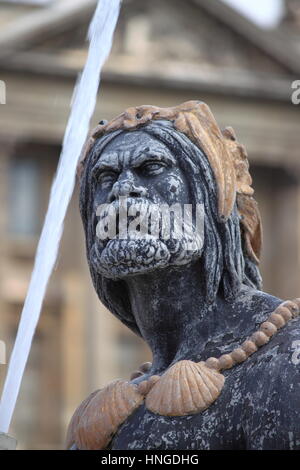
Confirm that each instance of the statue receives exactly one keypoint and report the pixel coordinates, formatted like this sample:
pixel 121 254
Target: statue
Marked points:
pixel 224 373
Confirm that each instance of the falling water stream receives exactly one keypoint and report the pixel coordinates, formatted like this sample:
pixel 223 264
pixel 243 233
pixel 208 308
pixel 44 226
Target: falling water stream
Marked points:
pixel 83 104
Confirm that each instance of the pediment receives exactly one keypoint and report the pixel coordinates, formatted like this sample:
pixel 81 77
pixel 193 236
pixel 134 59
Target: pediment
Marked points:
pixel 171 32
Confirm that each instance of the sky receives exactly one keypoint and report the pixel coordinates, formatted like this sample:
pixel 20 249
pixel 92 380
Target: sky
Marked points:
pixel 265 13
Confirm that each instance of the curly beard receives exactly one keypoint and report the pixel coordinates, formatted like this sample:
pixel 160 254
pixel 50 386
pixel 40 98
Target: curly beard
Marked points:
pixel 118 258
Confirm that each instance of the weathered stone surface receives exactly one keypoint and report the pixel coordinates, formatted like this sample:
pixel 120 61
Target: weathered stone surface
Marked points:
pixel 259 408
pixel 191 304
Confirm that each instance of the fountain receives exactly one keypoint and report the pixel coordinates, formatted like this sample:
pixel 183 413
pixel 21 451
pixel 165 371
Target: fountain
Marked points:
pixel 100 36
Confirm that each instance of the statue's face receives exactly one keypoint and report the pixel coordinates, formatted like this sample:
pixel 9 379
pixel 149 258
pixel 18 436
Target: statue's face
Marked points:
pixel 140 193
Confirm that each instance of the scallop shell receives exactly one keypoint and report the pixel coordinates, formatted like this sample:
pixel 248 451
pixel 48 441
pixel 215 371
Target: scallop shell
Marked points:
pixel 70 440
pixel 186 388
pixel 105 412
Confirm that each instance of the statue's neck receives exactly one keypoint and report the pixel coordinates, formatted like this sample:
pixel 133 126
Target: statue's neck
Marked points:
pixel 175 319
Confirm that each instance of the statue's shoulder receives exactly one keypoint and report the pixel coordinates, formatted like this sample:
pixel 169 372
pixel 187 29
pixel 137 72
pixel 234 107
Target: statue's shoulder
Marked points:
pixel 279 321
pixel 284 342
pixel 283 349
pixel 282 352
pixel 271 403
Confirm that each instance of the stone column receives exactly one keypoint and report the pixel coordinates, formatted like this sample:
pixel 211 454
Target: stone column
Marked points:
pixel 278 192
pixel 5 153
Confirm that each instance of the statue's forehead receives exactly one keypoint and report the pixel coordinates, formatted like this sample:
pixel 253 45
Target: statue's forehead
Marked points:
pixel 133 140
pixel 131 145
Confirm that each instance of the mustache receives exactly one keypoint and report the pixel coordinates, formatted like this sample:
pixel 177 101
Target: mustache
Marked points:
pixel 124 211
pixel 120 205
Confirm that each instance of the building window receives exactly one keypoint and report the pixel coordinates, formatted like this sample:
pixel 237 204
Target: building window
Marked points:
pixel 24 197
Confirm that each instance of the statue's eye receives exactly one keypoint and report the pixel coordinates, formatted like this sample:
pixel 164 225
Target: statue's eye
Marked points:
pixel 107 178
pixel 153 167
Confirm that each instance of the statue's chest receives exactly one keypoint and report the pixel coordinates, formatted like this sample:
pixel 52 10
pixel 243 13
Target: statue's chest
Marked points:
pixel 218 427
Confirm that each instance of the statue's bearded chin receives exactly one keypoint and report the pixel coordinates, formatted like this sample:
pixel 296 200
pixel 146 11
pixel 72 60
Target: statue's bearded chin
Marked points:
pixel 118 258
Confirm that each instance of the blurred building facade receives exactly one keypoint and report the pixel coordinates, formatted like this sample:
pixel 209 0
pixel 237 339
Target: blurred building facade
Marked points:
pixel 164 53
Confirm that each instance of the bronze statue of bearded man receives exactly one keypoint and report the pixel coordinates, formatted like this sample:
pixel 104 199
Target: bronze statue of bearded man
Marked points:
pixel 223 374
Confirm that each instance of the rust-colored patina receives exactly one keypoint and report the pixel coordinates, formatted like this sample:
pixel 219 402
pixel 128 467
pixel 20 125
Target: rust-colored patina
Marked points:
pixel 110 406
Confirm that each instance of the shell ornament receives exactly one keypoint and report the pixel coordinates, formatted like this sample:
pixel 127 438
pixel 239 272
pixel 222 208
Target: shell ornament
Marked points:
pixel 186 388
pixel 110 406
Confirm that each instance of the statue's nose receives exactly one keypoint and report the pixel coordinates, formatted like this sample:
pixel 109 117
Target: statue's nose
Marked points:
pixel 126 188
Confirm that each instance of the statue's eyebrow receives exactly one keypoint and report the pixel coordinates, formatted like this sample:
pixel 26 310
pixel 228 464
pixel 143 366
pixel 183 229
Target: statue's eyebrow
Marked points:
pixel 108 161
pixel 149 154
pixel 113 160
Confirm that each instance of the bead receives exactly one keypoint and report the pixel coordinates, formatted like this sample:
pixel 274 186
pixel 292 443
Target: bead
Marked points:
pixel 136 374
pixel 284 312
pixel 226 361
pixel 153 379
pixel 297 302
pixel 259 338
pixel 296 307
pixel 145 367
pixel 277 320
pixel 213 363
pixel 144 387
pixel 293 306
pixel 238 355
pixel 249 347
pixel 268 328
